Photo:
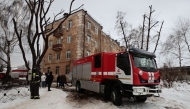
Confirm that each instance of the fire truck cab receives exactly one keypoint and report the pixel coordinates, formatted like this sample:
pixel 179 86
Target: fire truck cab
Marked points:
pixel 131 73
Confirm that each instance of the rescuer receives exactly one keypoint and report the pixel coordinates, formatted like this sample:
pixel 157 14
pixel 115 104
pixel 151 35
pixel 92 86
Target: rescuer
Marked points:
pixel 34 84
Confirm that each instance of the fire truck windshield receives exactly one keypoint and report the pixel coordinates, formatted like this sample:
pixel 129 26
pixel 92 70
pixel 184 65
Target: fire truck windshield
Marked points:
pixel 145 63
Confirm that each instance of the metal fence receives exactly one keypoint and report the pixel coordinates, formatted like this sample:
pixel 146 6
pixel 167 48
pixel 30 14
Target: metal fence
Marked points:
pixel 13 90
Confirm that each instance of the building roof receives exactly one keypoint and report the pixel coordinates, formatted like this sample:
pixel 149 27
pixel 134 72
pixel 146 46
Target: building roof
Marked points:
pixel 92 19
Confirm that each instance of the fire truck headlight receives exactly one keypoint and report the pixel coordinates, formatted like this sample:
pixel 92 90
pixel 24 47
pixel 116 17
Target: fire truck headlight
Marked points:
pixel 139 90
pixel 140 72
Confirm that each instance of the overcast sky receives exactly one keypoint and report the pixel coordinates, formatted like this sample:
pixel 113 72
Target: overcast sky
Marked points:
pixel 105 11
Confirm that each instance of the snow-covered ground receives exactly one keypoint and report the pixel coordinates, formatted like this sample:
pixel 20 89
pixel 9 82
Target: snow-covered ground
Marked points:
pixel 173 98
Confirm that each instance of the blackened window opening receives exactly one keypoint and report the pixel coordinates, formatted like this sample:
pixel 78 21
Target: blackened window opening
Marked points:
pixel 97 61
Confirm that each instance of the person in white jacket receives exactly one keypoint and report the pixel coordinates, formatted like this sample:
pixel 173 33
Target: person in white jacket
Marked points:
pixel 43 80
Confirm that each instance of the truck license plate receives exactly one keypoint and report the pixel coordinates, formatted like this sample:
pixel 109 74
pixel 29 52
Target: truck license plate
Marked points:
pixel 150 81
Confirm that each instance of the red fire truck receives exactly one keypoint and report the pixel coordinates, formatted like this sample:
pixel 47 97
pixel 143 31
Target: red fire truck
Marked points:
pixel 132 73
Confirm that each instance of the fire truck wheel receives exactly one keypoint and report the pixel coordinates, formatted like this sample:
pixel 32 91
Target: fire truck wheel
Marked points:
pixel 107 92
pixel 116 96
pixel 138 99
pixel 78 88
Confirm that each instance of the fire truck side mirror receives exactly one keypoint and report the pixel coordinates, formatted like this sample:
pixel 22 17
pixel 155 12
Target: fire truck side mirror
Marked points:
pixel 29 75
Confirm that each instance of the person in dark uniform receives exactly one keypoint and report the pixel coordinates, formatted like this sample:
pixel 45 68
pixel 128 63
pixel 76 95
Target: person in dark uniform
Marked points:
pixel 34 84
pixel 58 81
pixel 64 80
pixel 49 80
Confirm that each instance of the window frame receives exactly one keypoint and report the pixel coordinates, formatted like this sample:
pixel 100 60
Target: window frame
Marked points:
pixel 96 30
pixel 88 53
pixel 96 44
pixel 49 57
pixel 69 39
pixel 70 24
pixel 89 25
pixel 58 56
pixel 59 41
pixel 57 70
pixel 88 39
pixel 50 43
pixel 68 54
pixel 111 45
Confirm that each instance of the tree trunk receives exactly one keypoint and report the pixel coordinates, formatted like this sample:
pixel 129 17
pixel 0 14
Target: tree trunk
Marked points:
pixel 149 28
pixel 144 16
pixel 124 35
pixel 158 37
pixel 6 78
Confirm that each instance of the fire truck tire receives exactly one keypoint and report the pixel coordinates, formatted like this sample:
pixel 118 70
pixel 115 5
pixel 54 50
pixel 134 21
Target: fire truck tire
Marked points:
pixel 116 96
pixel 107 92
pixel 78 88
pixel 138 99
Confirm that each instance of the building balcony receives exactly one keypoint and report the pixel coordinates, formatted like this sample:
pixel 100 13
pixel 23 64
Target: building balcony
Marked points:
pixel 58 33
pixel 57 47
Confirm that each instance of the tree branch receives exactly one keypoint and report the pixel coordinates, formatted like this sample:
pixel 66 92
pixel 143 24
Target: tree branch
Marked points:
pixel 4 60
pixel 158 37
pixel 48 34
pixel 124 35
pixel 20 43
pixel 154 24
pixel 142 40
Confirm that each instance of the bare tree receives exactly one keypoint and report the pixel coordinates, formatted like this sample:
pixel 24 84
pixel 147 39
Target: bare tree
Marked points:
pixel 8 39
pixel 131 35
pixel 158 37
pixel 143 29
pixel 1 62
pixel 123 28
pixel 135 34
pixel 183 27
pixel 175 46
pixel 39 26
pixel 151 24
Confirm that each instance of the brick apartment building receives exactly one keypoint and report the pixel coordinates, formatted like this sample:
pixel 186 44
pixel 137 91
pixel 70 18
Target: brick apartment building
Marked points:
pixel 73 41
